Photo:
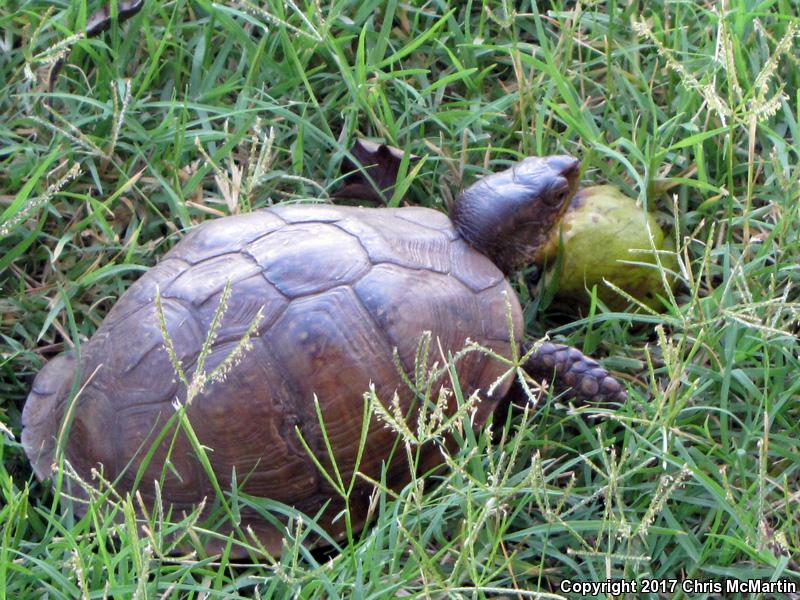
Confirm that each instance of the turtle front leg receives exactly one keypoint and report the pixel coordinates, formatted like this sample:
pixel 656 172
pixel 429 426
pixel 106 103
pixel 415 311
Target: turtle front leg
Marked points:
pixel 571 371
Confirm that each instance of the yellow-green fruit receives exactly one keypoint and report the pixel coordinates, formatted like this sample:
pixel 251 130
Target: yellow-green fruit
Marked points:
pixel 600 228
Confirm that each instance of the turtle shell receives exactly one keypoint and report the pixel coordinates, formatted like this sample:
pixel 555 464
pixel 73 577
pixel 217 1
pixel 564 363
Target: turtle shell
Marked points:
pixel 339 289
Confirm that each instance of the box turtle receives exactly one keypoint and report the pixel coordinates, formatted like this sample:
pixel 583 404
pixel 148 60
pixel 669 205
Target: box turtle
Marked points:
pixel 340 288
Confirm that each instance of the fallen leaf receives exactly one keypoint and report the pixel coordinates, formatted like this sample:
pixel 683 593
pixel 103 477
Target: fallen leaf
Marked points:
pixel 381 163
pixel 96 23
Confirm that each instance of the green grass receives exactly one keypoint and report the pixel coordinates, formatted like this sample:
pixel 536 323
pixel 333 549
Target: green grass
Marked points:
pixel 691 110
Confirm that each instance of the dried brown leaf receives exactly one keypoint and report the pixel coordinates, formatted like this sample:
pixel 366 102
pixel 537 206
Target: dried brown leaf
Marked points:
pixel 380 162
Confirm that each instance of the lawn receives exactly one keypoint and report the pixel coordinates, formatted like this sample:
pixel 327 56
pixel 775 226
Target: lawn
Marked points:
pixel 191 111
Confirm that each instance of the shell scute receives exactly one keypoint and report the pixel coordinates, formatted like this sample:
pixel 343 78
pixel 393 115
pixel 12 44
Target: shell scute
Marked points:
pixel 405 302
pixel 388 239
pixel 309 258
pixel 143 291
pixel 473 269
pixel 309 213
pixel 332 351
pixel 221 236
pixel 427 217
pixel 249 297
pixel 138 428
pixel 257 438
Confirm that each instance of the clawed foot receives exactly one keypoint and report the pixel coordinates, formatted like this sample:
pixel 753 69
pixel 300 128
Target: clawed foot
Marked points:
pixel 573 372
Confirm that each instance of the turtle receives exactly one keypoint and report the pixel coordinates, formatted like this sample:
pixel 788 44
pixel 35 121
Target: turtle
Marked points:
pixel 345 293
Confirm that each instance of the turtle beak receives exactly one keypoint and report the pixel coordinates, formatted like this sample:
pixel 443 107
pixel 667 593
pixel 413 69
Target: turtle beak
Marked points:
pixel 565 165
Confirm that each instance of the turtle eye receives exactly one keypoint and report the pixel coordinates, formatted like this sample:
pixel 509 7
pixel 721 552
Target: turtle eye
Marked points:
pixel 556 196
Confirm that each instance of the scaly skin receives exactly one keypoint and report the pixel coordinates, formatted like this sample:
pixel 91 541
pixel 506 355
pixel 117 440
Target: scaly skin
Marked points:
pixel 572 371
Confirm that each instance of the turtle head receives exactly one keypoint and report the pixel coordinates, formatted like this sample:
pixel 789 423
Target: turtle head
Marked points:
pixel 508 215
